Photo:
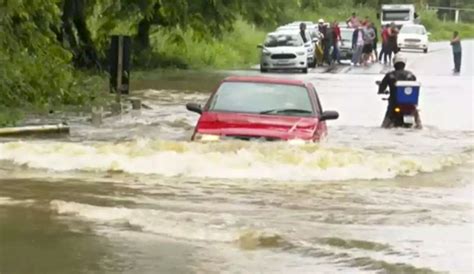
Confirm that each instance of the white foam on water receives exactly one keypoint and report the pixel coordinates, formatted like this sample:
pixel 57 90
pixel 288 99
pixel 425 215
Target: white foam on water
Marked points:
pixel 234 160
pixel 7 201
pixel 181 225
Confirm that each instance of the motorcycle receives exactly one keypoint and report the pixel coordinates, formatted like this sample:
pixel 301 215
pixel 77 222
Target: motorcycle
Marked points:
pixel 404 112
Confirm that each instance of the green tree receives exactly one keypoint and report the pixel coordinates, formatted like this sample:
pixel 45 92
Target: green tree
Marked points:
pixel 36 69
pixel 81 45
pixel 208 18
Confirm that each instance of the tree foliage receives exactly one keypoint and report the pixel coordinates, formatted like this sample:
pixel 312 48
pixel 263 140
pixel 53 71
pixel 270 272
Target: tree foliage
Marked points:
pixel 35 68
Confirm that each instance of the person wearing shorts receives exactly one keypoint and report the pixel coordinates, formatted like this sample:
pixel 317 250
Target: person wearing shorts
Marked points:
pixel 369 38
pixel 367 51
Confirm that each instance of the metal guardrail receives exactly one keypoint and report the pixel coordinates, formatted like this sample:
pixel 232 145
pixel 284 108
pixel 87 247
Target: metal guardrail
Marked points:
pixel 449 8
pixel 33 130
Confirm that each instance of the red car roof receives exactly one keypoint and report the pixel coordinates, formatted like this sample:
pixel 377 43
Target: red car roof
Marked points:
pixel 267 80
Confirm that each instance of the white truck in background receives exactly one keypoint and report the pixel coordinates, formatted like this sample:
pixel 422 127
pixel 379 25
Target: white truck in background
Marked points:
pixel 398 14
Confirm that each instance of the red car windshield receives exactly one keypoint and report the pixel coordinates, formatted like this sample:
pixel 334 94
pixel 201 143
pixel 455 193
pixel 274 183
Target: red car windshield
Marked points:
pixel 262 98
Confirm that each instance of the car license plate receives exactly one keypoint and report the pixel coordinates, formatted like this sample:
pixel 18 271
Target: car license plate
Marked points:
pixel 408 119
pixel 285 64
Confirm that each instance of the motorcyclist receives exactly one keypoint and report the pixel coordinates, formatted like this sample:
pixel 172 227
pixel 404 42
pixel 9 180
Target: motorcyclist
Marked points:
pixel 390 79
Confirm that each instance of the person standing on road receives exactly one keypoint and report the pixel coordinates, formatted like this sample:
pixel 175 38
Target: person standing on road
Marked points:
pixel 303 32
pixel 357 45
pixel 321 28
pixel 457 52
pixel 375 42
pixel 368 44
pixel 336 32
pixel 326 38
pixel 392 46
pixel 394 35
pixel 384 52
pixel 353 21
pixel 329 42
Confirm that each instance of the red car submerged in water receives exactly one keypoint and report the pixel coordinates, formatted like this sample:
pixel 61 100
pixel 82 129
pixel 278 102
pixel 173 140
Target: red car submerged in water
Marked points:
pixel 262 108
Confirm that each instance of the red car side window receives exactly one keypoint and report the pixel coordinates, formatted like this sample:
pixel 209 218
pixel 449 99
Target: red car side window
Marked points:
pixel 319 109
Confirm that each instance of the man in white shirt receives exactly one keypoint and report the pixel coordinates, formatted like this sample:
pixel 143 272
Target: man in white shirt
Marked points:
pixel 357 45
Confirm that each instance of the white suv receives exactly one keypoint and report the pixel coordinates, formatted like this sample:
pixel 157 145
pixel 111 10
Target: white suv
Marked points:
pixel 413 37
pixel 284 50
pixel 310 44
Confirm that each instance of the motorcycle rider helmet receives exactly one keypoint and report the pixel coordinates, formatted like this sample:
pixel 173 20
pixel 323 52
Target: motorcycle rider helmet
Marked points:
pixel 321 21
pixel 399 59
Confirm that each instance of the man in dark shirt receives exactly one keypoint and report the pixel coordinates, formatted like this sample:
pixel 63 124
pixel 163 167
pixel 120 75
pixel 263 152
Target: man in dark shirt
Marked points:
pixel 457 52
pixel 303 32
pixel 375 41
pixel 326 33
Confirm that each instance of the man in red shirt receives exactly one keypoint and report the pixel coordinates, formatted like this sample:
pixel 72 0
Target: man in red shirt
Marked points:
pixel 384 52
pixel 336 31
pixel 366 21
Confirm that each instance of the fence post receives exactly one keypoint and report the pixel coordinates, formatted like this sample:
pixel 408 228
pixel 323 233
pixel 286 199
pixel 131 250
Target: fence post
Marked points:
pixel 119 56
pixel 119 68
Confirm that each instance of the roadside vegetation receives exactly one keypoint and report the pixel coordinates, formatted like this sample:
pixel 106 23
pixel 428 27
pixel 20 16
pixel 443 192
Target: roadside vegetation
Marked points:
pixel 237 48
pixel 444 30
pixel 54 52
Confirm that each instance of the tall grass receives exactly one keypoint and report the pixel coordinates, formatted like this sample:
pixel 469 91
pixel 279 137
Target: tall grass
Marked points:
pixel 9 116
pixel 444 30
pixel 236 49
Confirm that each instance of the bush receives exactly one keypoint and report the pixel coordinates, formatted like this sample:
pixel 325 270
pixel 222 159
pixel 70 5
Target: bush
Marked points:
pixel 444 30
pixel 9 116
pixel 236 49
pixel 36 71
